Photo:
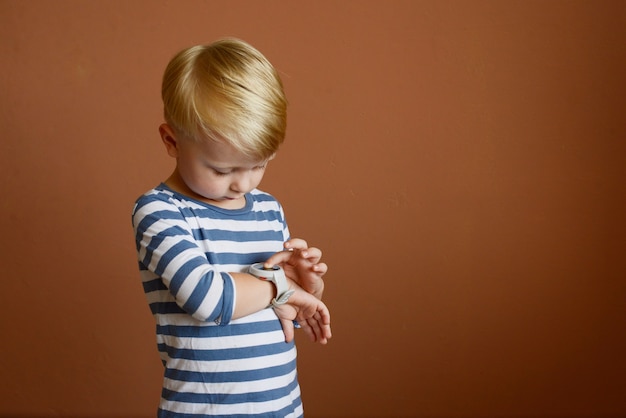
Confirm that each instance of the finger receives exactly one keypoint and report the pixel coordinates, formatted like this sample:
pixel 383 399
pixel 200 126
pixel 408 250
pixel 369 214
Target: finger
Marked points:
pixel 327 332
pixel 323 314
pixel 322 331
pixel 323 324
pixel 296 244
pixel 288 329
pixel 305 257
pixel 278 258
pixel 306 328
pixel 313 255
pixel 320 268
pixel 323 318
pixel 316 328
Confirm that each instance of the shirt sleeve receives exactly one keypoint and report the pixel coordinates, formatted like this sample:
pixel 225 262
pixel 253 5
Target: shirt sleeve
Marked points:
pixel 167 248
pixel 281 211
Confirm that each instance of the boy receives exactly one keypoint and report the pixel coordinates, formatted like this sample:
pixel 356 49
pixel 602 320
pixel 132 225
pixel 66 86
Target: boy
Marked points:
pixel 225 337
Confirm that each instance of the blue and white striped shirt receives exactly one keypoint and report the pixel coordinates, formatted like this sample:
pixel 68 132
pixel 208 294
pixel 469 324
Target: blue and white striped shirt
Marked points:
pixel 214 366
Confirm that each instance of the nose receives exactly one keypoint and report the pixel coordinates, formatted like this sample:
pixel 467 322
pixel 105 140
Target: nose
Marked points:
pixel 240 183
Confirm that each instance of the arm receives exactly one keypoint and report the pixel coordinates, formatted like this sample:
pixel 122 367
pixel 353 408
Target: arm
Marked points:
pixel 310 313
pixel 171 260
pixel 253 295
pixel 304 272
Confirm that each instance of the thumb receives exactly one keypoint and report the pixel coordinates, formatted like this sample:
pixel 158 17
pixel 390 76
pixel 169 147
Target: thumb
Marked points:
pixel 288 329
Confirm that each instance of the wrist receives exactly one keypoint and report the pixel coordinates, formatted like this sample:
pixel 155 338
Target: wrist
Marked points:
pixel 316 289
pixel 276 275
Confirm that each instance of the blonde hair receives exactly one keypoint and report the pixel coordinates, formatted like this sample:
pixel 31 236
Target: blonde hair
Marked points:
pixel 227 91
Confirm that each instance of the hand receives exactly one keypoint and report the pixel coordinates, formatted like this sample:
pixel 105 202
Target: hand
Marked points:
pixel 311 314
pixel 302 265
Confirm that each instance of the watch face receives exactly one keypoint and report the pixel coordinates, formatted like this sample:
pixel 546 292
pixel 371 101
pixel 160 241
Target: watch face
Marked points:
pixel 259 267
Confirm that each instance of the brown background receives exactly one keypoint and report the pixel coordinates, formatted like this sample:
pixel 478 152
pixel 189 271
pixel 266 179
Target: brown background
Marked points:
pixel 461 164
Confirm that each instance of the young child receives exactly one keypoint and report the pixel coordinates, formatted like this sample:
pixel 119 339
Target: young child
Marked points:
pixel 225 336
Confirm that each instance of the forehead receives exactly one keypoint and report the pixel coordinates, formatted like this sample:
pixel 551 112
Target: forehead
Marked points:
pixel 222 154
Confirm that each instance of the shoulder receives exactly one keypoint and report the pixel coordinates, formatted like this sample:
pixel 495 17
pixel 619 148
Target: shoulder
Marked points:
pixel 266 207
pixel 264 201
pixel 153 199
pixel 157 204
pixel 261 196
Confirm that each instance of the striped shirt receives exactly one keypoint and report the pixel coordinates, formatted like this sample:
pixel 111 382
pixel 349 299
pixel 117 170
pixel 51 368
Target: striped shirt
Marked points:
pixel 214 366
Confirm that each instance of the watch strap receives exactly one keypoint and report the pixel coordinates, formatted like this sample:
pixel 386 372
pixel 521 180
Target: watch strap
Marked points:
pixel 275 275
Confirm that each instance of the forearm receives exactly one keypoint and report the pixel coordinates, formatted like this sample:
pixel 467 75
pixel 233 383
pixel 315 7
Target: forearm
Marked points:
pixel 252 294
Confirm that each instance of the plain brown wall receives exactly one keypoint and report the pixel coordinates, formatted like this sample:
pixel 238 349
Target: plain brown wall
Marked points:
pixel 461 164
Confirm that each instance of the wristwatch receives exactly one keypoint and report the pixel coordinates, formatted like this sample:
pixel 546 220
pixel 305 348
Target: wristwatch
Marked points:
pixel 275 275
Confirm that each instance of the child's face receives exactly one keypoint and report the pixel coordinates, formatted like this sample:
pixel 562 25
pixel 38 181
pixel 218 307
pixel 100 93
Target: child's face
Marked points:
pixel 216 171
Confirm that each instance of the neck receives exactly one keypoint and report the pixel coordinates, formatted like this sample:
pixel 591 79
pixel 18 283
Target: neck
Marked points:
pixel 176 183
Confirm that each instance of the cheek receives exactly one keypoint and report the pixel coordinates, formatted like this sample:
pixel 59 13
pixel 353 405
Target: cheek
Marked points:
pixel 200 179
pixel 191 176
pixel 258 177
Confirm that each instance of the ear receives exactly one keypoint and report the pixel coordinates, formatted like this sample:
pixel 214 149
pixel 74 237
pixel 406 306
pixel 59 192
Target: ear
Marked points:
pixel 169 140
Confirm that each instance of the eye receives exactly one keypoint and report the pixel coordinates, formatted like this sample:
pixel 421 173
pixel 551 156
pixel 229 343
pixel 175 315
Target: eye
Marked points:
pixel 220 173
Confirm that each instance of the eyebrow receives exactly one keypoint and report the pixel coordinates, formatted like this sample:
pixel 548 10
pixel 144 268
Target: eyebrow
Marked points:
pixel 233 168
